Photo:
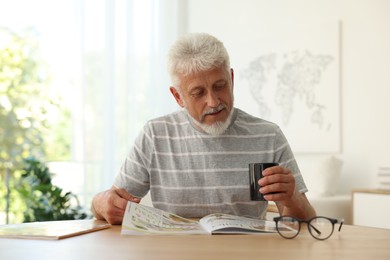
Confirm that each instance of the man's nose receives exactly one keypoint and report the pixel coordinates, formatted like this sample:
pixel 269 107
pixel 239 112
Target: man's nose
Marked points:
pixel 212 99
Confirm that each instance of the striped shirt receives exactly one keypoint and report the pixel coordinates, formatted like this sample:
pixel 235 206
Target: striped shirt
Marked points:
pixel 192 174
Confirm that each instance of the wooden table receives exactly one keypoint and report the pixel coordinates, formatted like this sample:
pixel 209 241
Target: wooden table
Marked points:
pixel 353 242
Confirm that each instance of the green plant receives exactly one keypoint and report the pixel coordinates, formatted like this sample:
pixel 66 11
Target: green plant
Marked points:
pixel 45 201
pixel 26 115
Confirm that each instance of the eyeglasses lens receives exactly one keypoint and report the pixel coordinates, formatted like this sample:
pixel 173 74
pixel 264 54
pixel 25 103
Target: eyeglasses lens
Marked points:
pixel 288 227
pixel 321 228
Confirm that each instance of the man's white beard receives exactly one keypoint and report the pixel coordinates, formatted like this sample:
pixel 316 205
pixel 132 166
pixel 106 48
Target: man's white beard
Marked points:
pixel 217 128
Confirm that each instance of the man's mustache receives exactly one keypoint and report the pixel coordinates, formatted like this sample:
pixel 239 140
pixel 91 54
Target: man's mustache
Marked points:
pixel 217 109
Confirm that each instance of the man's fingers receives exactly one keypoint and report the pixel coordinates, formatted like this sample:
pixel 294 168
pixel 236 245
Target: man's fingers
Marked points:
pixel 276 178
pixel 123 197
pixel 277 184
pixel 124 194
pixel 275 170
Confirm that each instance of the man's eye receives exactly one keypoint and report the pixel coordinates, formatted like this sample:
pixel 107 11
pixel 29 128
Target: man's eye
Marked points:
pixel 197 93
pixel 219 86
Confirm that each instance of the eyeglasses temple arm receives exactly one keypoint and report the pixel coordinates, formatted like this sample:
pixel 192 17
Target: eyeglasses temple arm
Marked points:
pixel 315 229
pixel 341 221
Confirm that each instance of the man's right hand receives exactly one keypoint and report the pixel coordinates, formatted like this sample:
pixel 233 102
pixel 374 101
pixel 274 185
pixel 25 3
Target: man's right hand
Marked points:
pixel 110 205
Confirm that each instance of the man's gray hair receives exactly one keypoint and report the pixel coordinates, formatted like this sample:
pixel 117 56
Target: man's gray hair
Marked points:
pixel 195 53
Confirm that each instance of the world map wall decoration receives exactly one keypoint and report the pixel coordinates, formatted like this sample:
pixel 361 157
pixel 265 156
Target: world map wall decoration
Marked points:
pixel 291 76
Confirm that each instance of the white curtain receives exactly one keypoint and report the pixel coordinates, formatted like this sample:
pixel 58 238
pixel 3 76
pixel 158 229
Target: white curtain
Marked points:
pixel 108 59
pixel 122 82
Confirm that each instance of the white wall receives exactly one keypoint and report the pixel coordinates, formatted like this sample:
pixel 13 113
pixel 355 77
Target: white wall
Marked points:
pixel 365 68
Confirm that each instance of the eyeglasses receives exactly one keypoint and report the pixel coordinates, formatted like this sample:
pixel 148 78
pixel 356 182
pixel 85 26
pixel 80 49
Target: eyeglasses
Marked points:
pixel 320 228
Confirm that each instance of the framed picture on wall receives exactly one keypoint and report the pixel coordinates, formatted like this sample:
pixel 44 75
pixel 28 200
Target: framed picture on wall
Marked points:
pixel 290 75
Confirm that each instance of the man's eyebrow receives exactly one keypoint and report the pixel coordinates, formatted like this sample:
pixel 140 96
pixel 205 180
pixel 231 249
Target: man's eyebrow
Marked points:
pixel 191 88
pixel 195 88
pixel 220 81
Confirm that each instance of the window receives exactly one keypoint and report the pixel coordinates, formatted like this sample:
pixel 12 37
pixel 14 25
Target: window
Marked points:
pixel 107 61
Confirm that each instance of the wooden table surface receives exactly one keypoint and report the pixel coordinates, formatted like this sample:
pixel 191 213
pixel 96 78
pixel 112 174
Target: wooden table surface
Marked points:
pixel 353 242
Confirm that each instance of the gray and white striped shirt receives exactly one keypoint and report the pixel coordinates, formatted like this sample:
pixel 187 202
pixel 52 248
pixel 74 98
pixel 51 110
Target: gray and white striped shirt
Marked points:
pixel 193 174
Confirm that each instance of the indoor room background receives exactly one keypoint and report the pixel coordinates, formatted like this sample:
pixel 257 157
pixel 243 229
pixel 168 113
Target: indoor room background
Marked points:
pixel 320 68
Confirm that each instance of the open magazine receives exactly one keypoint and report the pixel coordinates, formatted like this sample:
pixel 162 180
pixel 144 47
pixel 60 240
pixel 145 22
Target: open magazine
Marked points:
pixel 140 219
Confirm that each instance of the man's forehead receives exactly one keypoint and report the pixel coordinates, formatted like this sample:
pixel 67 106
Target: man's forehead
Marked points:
pixel 204 78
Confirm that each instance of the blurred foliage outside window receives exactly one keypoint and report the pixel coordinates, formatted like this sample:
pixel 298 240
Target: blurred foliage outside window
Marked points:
pixel 33 121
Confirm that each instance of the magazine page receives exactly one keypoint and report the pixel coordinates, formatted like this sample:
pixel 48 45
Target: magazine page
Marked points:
pixel 225 224
pixel 141 220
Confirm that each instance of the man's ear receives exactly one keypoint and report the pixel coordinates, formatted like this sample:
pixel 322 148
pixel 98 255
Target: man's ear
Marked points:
pixel 232 75
pixel 177 96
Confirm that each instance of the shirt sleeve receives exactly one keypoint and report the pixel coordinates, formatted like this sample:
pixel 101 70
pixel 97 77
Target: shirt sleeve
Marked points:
pixel 134 174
